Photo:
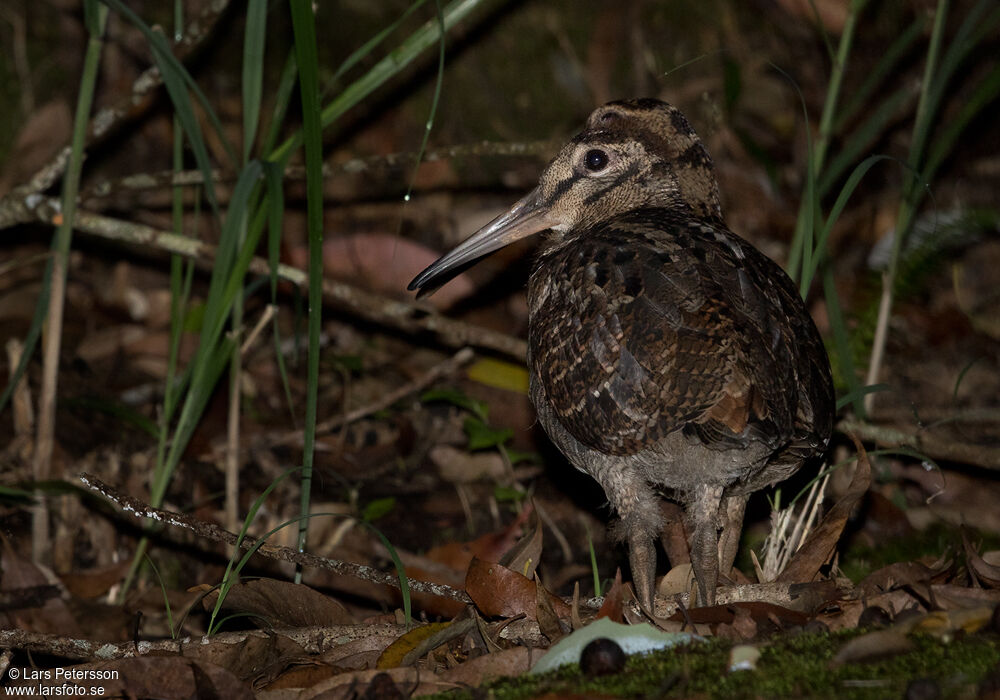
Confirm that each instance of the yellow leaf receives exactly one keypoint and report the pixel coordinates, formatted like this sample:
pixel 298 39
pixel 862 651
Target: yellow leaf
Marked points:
pixel 393 654
pixel 500 374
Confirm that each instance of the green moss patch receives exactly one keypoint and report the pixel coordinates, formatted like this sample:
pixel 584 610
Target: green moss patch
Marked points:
pixel 790 667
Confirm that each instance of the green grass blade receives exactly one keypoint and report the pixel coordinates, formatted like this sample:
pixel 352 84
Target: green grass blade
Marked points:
pixel 801 251
pixel 855 396
pixel 930 101
pixel 836 79
pixel 34 331
pixel 434 102
pixel 861 139
pixel 838 207
pixel 404 583
pixel 205 377
pixel 807 208
pixel 232 567
pixel 374 42
pixel 593 566
pixel 96 19
pixel 253 71
pixel 286 85
pixel 976 26
pixel 306 57
pixel 209 359
pixel 275 205
pixel 166 598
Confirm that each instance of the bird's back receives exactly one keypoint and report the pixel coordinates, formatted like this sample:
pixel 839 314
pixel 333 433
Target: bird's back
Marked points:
pixel 653 325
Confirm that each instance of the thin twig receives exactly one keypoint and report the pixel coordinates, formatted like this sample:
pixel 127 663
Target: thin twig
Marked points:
pixel 356 166
pixel 878 343
pixel 212 531
pixel 445 369
pixel 265 318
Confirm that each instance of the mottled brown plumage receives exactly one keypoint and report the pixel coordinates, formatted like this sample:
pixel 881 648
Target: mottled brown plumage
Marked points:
pixel 666 353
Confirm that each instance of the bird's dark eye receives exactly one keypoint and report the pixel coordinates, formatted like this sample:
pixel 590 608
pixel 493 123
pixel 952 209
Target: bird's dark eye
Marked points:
pixel 595 160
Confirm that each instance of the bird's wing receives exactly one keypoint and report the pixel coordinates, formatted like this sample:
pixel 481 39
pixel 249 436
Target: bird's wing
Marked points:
pixel 638 332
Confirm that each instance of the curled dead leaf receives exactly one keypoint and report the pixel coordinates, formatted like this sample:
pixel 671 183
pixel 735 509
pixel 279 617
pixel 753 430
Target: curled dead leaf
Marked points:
pixel 499 592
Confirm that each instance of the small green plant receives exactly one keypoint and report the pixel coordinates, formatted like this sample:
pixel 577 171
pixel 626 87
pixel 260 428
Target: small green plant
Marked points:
pixel 378 508
pixel 593 566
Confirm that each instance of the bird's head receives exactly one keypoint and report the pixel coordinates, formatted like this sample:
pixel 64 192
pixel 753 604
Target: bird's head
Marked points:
pixel 630 155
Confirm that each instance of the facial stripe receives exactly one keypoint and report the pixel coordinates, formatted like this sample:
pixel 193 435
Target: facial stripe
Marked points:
pixel 561 188
pixel 623 177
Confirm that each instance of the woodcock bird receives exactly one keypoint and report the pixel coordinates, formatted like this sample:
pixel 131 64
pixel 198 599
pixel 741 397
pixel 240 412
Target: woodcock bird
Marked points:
pixel 667 355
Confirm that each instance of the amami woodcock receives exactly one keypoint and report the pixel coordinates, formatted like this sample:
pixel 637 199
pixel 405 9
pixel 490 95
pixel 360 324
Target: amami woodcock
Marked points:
pixel 668 356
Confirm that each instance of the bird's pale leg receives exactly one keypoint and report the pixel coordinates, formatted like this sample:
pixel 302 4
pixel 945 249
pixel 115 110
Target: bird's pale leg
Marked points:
pixel 640 522
pixel 731 514
pixel 703 516
pixel 642 560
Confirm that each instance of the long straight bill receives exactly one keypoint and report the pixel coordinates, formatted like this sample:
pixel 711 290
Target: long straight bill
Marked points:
pixel 523 219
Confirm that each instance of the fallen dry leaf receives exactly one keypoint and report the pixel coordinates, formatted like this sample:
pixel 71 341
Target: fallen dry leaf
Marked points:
pixel 282 604
pixel 759 612
pixel 944 623
pixel 360 653
pixel 613 605
pixel 507 662
pixel 393 654
pixel 457 466
pixel 548 619
pixel 901 573
pixel 449 563
pixel 873 646
pixel 91 583
pixel 258 658
pixel 353 684
pixel 499 592
pixel 52 614
pixel 676 581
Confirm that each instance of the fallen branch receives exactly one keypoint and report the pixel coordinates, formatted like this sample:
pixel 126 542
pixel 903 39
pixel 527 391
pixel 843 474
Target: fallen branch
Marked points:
pixel 922 440
pixel 407 316
pixel 314 640
pixel 212 531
